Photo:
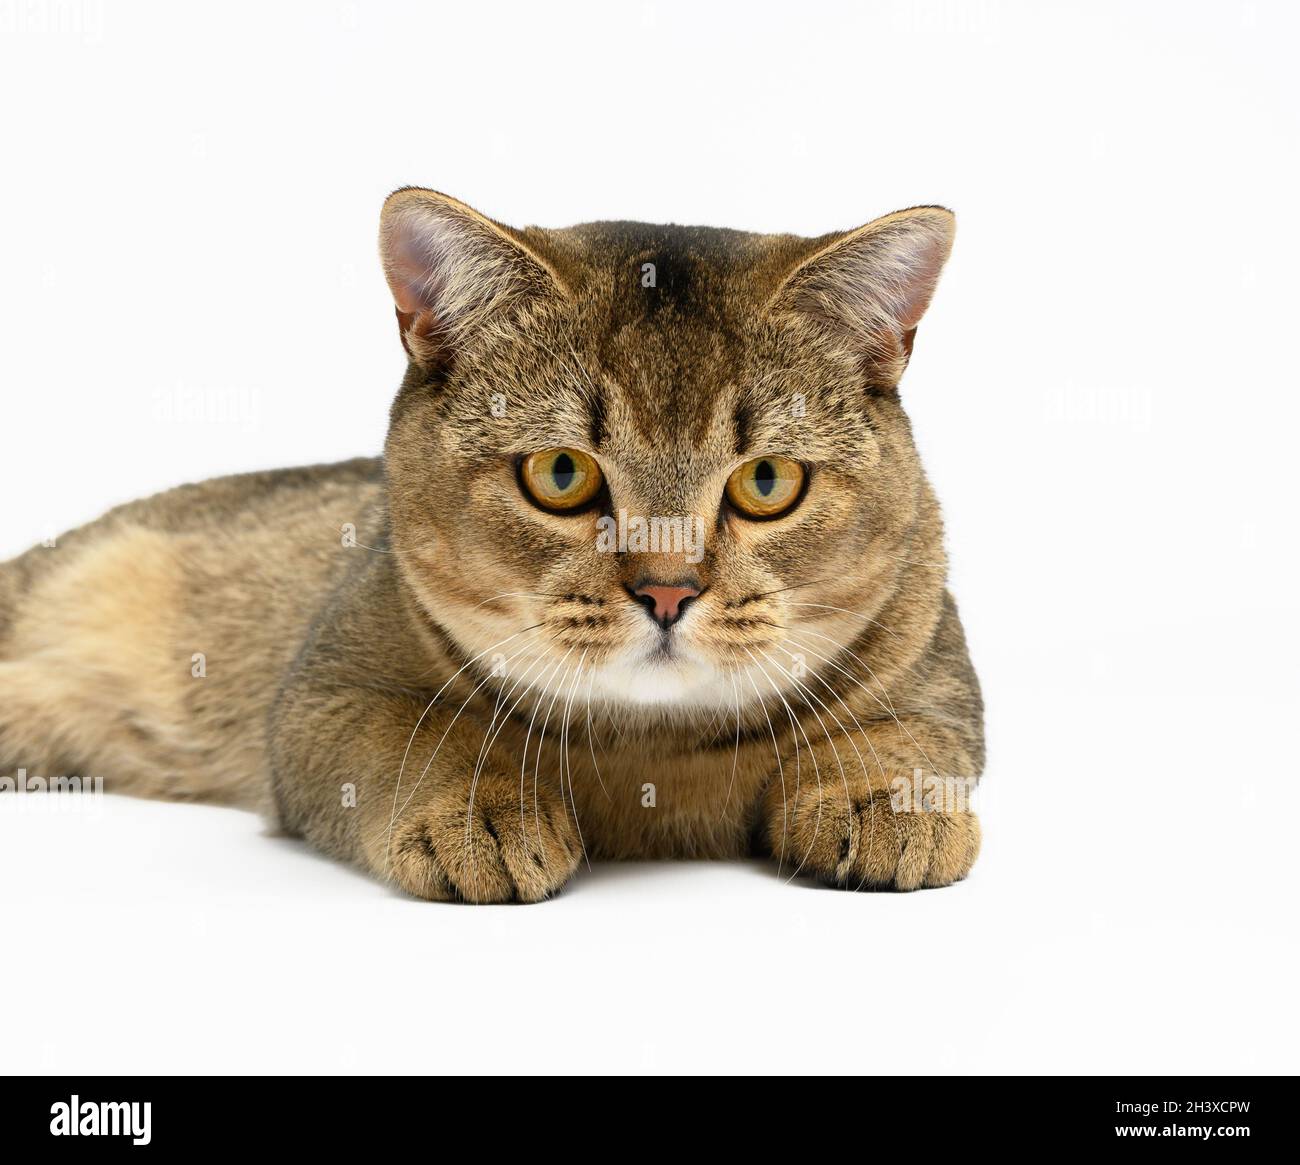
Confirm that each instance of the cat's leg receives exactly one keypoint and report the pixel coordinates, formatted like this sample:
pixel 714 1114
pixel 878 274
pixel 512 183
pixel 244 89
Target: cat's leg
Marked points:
pixel 868 810
pixel 422 807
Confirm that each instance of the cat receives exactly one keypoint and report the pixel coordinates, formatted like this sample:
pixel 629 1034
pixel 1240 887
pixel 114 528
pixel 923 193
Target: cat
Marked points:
pixel 649 568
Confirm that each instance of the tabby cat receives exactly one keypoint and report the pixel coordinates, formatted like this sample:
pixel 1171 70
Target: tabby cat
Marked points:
pixel 649 568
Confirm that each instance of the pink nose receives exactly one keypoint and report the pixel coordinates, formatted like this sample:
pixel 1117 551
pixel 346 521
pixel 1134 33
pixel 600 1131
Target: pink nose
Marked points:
pixel 665 604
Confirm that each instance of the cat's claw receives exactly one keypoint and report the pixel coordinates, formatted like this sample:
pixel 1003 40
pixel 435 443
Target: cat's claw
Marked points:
pixel 500 851
pixel 855 840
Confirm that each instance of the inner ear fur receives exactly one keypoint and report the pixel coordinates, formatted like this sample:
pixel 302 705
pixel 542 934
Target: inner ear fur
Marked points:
pixel 451 269
pixel 872 285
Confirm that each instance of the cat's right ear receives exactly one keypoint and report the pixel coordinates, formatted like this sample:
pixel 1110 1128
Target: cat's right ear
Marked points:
pixel 871 286
pixel 450 269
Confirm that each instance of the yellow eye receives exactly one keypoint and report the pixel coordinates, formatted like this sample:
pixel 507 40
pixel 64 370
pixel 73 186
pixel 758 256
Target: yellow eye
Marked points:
pixel 560 479
pixel 766 486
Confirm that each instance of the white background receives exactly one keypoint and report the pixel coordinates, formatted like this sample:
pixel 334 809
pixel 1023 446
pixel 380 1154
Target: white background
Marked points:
pixel 1105 392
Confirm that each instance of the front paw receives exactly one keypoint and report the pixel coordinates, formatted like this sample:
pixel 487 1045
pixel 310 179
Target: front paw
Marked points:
pixel 500 848
pixel 858 839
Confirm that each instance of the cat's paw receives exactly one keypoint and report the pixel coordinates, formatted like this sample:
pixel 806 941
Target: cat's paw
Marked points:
pixel 497 850
pixel 857 840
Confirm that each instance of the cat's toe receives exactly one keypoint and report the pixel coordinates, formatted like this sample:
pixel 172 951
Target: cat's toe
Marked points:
pixel 861 842
pixel 493 851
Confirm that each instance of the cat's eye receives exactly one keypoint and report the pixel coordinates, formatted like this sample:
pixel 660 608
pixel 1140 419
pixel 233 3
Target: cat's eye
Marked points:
pixel 766 487
pixel 560 479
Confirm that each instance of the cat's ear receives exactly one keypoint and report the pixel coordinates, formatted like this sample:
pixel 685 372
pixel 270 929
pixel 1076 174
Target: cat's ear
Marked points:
pixel 450 269
pixel 873 284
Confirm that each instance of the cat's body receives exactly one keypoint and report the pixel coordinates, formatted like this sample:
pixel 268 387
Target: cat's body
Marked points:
pixel 99 632
pixel 432 665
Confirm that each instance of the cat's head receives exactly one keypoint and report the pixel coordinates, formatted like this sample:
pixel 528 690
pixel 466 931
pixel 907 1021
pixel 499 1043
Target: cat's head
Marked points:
pixel 656 465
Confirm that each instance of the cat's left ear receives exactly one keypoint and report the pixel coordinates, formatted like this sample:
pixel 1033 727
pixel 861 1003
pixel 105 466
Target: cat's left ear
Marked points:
pixel 451 269
pixel 872 285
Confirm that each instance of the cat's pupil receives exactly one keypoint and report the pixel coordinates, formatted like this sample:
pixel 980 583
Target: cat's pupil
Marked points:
pixel 765 477
pixel 563 471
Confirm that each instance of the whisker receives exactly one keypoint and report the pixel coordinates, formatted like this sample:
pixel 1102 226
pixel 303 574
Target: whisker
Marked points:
pixel 361 545
pixel 887 704
pixel 476 689
pixel 912 561
pixel 441 740
pixel 848 796
pixel 861 760
pixel 392 819
pixel 583 369
pixel 845 611
pixel 780 769
pixel 591 676
pixel 811 755
pixel 812 582
pixel 735 756
pixel 537 763
pixel 889 707
pixel 488 732
pixel 566 764
pixel 523 763
pixel 519 594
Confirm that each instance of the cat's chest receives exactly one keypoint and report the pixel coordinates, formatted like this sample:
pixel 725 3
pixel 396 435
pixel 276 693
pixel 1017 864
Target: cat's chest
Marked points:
pixel 643 801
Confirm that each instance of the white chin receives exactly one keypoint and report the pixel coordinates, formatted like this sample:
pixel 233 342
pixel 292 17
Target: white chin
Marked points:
pixel 681 682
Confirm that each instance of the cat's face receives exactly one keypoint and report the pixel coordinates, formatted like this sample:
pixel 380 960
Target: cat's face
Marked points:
pixel 654 466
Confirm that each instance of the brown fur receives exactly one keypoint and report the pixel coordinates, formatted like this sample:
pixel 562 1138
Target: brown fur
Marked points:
pixel 467 698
